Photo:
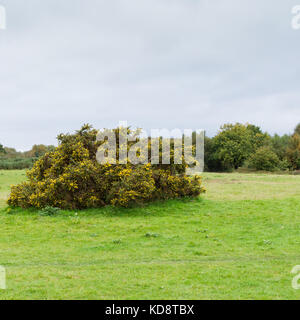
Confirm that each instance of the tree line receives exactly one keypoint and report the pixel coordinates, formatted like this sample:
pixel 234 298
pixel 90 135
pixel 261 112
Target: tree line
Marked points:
pixel 234 146
pixel 11 159
pixel 246 146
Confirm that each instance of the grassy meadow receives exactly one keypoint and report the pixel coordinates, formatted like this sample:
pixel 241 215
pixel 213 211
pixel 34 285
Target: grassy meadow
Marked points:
pixel 239 241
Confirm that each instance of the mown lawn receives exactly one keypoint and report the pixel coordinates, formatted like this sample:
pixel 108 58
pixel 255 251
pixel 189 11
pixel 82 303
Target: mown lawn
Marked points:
pixel 239 241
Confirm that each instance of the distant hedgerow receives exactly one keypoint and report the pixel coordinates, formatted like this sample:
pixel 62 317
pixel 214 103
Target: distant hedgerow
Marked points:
pixel 71 178
pixel 16 163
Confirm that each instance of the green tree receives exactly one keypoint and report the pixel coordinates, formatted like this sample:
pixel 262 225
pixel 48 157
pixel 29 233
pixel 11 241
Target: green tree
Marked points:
pixel 236 142
pixel 297 129
pixel 264 159
pixel 12 153
pixel 2 150
pixel 211 160
pixel 38 150
pixel 279 145
pixel 293 152
pixel 293 149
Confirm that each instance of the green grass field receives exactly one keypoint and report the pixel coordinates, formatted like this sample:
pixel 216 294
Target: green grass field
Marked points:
pixel 239 241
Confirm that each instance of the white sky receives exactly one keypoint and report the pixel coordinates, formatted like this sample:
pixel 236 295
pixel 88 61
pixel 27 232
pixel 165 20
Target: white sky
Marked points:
pixel 155 63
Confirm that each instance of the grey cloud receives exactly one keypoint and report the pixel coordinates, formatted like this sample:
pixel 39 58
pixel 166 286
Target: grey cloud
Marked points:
pixel 154 63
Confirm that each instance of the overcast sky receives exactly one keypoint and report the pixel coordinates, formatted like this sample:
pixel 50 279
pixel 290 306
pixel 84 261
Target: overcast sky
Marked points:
pixel 155 63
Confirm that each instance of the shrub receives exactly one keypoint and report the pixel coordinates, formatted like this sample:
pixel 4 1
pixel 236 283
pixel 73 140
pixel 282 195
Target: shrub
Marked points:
pixel 265 159
pixel 49 211
pixel 71 178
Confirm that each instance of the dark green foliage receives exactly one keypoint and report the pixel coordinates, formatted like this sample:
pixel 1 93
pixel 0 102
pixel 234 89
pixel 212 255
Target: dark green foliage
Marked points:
pixel 10 159
pixel 293 152
pixel 11 153
pixel 2 150
pixel 279 145
pixel 264 159
pixel 38 151
pixel 211 159
pixel 234 144
pixel 297 129
pixel 49 211
pixel 16 164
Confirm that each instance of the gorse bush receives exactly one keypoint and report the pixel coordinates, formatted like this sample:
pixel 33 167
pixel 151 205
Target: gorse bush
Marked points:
pixel 71 178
